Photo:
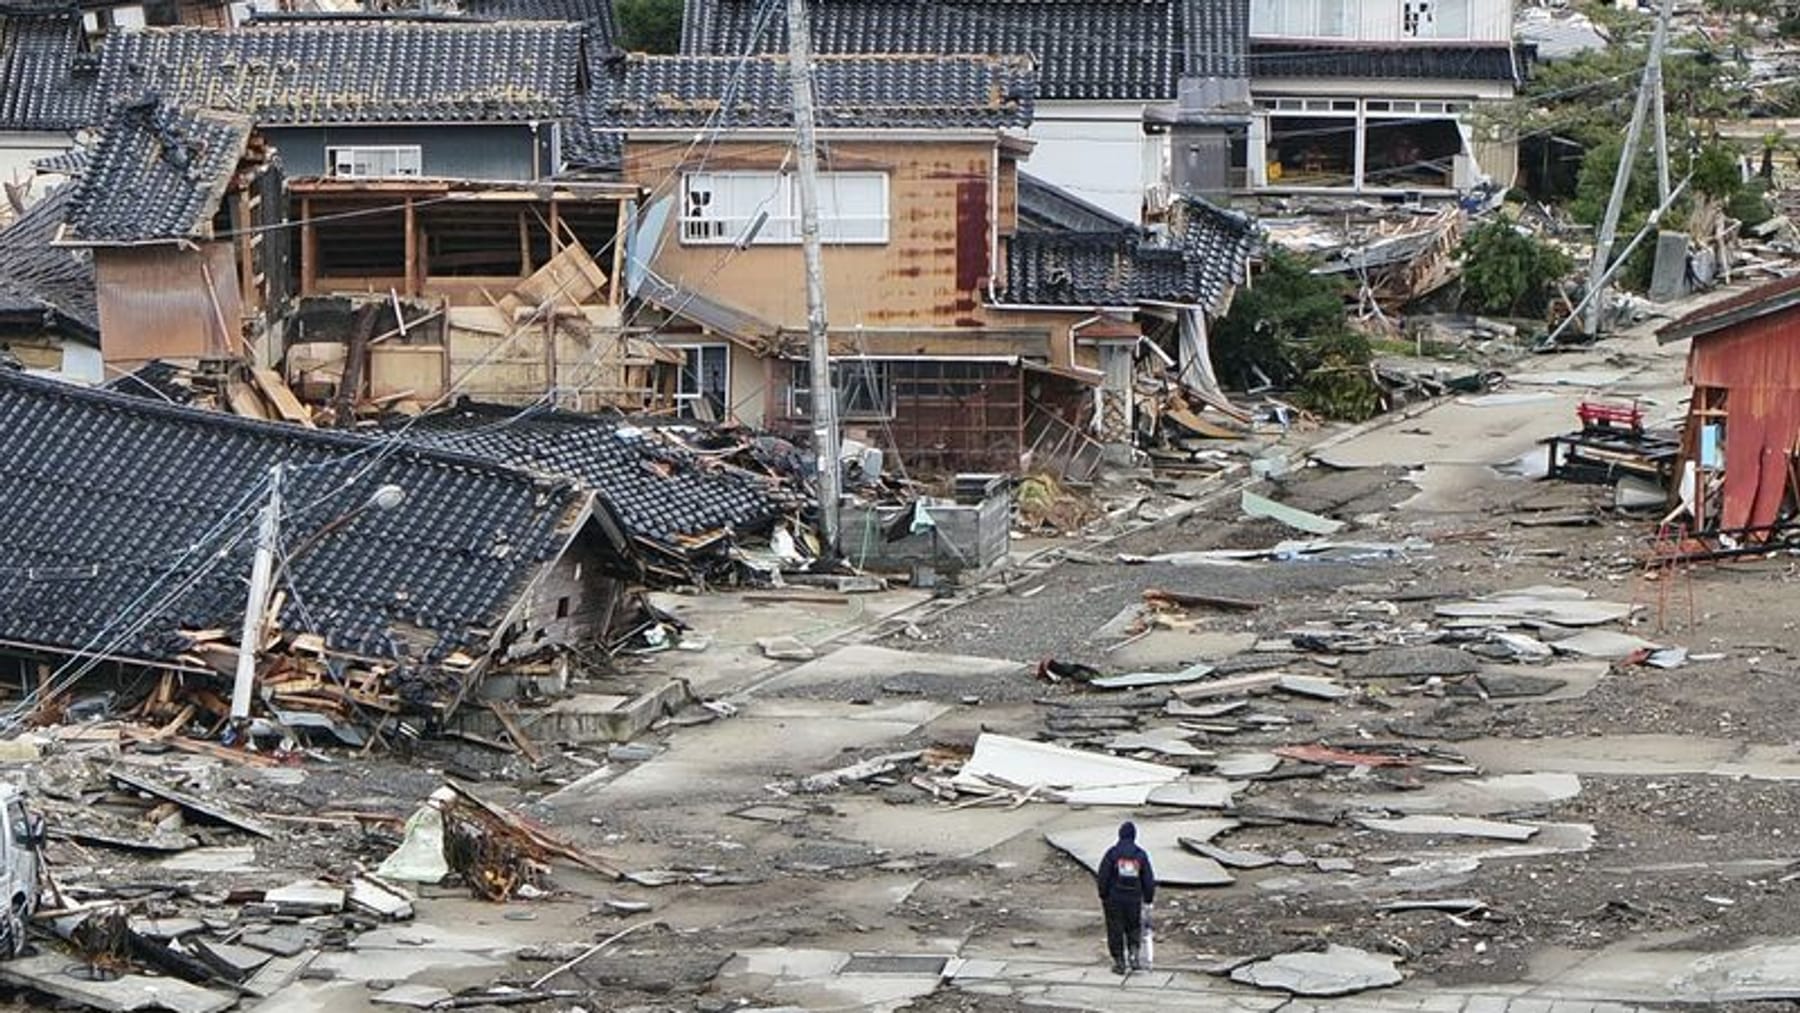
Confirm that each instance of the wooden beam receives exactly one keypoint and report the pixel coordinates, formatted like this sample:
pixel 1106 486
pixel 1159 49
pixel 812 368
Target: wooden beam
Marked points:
pixel 556 243
pixel 413 279
pixel 247 293
pixel 309 250
pixel 616 288
pixel 524 245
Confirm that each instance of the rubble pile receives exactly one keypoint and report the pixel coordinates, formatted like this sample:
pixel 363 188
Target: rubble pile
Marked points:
pixel 207 880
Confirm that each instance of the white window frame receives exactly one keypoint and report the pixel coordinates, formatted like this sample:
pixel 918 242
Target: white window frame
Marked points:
pixel 1306 19
pixel 1424 19
pixel 763 209
pixel 405 157
pixel 865 389
pixel 686 399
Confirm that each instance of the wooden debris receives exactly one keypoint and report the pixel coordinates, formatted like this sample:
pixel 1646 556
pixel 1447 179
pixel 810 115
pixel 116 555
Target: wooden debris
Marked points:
pixel 206 810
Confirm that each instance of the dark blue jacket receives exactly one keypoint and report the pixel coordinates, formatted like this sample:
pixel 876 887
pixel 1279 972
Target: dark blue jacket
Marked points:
pixel 1125 874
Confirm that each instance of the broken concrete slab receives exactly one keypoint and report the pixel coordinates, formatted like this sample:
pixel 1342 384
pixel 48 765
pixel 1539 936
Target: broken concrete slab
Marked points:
pixel 1300 520
pixel 210 811
pixel 1411 663
pixel 306 897
pixel 1167 741
pixel 1559 606
pixel 1480 796
pixel 412 996
pixel 769 812
pixel 1247 764
pixel 280 940
pixel 1061 773
pixel 1339 970
pixel 231 859
pixel 1312 686
pixel 1514 684
pixel 383 900
pixel 56 975
pixel 1196 793
pixel 1235 685
pixel 1609 644
pixel 232 962
pixel 1228 857
pixel 1175 865
pixel 1532 685
pixel 1139 680
pixel 1450 826
pixel 785 648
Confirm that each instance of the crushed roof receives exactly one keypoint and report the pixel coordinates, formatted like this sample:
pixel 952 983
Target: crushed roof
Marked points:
pixel 1046 207
pixel 36 278
pixel 158 172
pixel 667 495
pixel 46 74
pixel 1086 49
pixel 378 71
pixel 946 92
pixel 120 509
pixel 1200 261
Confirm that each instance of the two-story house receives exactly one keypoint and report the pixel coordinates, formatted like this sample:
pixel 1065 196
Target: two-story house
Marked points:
pixel 1100 64
pixel 423 159
pixel 961 338
pixel 1373 96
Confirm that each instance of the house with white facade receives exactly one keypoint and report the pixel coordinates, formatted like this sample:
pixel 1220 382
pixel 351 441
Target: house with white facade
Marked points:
pixel 1101 64
pixel 1374 96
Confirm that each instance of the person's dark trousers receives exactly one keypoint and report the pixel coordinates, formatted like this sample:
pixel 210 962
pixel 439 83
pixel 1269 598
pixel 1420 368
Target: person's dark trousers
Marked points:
pixel 1124 929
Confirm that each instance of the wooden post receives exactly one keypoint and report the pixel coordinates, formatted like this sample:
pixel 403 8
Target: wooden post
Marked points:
pixel 615 291
pixel 524 245
pixel 412 249
pixel 247 293
pixel 309 249
pixel 556 243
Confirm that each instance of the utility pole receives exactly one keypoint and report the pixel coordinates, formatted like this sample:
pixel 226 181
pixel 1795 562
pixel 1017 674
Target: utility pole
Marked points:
pixel 256 606
pixel 824 385
pixel 1609 228
pixel 1662 119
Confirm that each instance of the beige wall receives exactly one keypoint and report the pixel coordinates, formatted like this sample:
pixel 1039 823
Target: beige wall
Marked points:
pixel 930 276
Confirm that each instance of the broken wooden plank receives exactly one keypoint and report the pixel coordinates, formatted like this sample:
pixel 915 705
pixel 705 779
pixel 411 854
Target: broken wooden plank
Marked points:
pixel 509 720
pixel 275 391
pixel 1195 599
pixel 208 810
pixel 541 838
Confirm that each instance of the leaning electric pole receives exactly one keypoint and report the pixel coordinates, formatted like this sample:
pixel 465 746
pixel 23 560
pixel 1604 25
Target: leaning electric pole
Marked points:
pixel 1650 86
pixel 823 384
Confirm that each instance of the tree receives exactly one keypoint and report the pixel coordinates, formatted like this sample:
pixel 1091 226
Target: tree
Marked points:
pixel 1289 328
pixel 649 26
pixel 1508 272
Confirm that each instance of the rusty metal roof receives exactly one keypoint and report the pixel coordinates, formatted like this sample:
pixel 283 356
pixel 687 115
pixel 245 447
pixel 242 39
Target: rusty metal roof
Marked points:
pixel 371 71
pixel 864 91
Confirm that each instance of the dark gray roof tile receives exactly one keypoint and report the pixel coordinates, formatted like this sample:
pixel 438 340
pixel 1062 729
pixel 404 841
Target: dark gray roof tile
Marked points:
pixel 46 77
pixel 1410 61
pixel 106 493
pixel 371 71
pixel 1086 49
pixel 1200 261
pixel 944 92
pixel 1046 207
pixel 54 283
pixel 158 172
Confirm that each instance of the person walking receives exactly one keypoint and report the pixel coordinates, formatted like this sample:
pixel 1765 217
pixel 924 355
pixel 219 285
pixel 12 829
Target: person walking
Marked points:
pixel 1127 886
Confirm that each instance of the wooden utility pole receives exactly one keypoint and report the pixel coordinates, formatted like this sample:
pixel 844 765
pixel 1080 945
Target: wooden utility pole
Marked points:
pixel 1609 228
pixel 824 385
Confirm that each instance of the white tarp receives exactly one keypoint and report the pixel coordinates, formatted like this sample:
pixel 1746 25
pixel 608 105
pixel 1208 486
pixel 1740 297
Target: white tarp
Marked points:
pixel 1060 773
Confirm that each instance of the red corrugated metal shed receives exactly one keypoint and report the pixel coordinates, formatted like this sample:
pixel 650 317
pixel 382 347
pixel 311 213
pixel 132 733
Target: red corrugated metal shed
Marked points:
pixel 1747 348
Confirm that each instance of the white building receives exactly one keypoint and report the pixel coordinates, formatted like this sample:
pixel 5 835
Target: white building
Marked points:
pixel 1374 96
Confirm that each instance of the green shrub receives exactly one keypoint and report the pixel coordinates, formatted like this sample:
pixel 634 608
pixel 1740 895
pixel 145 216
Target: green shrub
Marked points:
pixel 1508 272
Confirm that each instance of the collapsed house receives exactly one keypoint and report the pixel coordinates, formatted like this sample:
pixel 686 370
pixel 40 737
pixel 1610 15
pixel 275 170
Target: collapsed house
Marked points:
pixel 49 320
pixel 1740 455
pixel 403 575
pixel 687 497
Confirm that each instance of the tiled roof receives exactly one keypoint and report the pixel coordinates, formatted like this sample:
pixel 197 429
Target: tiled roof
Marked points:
pixel 107 493
pixel 585 146
pixel 376 71
pixel 934 92
pixel 52 282
pixel 158 172
pixel 596 15
pixel 46 80
pixel 661 491
pixel 1411 61
pixel 1046 207
pixel 1085 49
pixel 73 162
pixel 1199 262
